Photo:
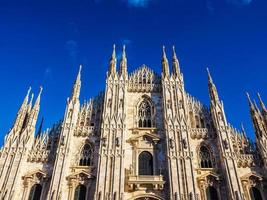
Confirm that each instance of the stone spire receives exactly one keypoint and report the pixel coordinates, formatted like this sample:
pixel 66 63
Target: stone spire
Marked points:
pixel 251 105
pixel 22 111
pixel 123 63
pixel 262 104
pixel 113 62
pixel 38 100
pixel 165 63
pixel 77 86
pixel 212 89
pixel 35 110
pixel 175 63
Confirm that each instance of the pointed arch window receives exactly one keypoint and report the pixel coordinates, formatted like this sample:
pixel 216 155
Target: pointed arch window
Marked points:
pixel 80 193
pixel 145 163
pixel 205 157
pixel 35 193
pixel 145 114
pixel 86 156
pixel 211 193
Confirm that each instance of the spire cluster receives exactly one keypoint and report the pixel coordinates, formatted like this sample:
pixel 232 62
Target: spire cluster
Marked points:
pixel 165 64
pixel 113 63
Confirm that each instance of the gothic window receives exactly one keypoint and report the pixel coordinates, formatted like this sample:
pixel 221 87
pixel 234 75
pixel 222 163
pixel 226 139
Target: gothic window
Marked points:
pixel 205 157
pixel 86 156
pixel 255 193
pixel 197 121
pixel 80 193
pixel 145 163
pixel 35 193
pixel 145 114
pixel 211 193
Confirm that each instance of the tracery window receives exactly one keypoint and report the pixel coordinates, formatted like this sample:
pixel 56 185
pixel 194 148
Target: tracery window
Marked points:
pixel 80 193
pixel 35 193
pixel 205 157
pixel 145 114
pixel 145 163
pixel 86 156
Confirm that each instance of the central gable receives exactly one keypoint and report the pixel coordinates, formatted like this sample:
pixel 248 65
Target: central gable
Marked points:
pixel 144 79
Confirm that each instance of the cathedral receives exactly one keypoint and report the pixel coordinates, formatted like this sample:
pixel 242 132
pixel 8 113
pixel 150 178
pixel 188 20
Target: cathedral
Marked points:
pixel 143 138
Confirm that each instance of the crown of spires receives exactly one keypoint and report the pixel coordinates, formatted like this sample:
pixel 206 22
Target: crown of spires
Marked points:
pixel 175 63
pixel 262 103
pixel 212 88
pixel 77 85
pixel 123 63
pixel 164 62
pixel 113 62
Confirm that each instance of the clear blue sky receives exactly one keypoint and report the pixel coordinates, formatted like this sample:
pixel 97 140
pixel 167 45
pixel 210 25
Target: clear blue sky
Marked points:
pixel 43 43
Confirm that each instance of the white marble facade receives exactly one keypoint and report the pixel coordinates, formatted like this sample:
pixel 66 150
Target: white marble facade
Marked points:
pixel 143 138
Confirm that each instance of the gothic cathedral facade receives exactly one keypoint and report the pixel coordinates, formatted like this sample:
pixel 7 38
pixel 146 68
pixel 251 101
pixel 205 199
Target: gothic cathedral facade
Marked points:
pixel 143 138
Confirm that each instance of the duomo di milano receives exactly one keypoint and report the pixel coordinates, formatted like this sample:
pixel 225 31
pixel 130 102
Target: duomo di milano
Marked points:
pixel 144 138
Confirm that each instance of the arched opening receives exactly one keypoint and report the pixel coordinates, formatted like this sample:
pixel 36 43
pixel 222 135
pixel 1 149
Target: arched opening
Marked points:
pixel 197 121
pixel 145 163
pixel 211 193
pixel 145 114
pixel 86 156
pixel 80 193
pixel 255 193
pixel 205 157
pixel 35 193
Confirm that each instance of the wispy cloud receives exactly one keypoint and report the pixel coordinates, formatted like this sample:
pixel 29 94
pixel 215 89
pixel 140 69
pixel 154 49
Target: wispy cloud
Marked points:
pixel 138 3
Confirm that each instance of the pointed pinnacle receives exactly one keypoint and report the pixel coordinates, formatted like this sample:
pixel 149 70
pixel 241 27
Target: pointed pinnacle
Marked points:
pixel 261 102
pixel 249 99
pixel 174 53
pixel 163 52
pixel 209 76
pixel 124 51
pixel 114 52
